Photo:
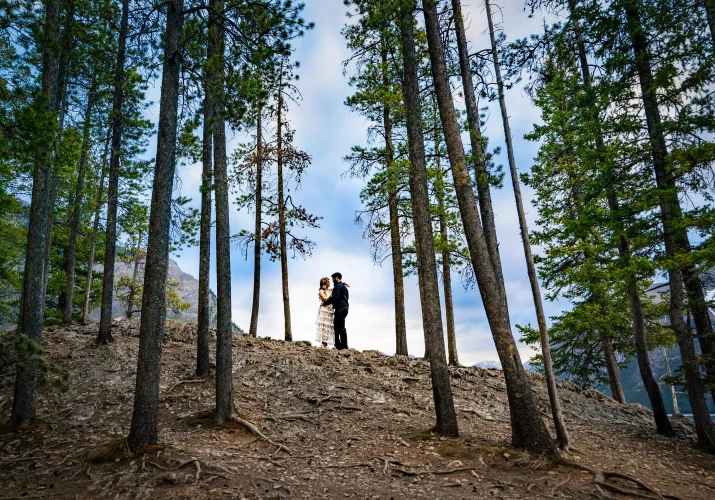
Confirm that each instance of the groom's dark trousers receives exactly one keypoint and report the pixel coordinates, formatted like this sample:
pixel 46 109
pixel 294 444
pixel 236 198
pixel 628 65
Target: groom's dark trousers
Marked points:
pixel 341 335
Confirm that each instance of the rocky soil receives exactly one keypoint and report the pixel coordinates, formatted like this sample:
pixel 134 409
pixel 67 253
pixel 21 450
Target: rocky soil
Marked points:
pixel 332 425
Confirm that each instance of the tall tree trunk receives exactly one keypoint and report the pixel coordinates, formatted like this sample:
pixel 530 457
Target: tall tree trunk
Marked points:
pixel 33 306
pixel 253 331
pixel 660 415
pixel 528 430
pixel 66 42
pixel 95 229
pixel 135 279
pixel 282 220
pixel 446 268
pixel 224 331
pixel 395 240
pixel 424 240
pixel 709 6
pixel 110 245
pixel 475 136
pixel 562 436
pixel 670 213
pixel 76 205
pixel 153 317
pixel 204 313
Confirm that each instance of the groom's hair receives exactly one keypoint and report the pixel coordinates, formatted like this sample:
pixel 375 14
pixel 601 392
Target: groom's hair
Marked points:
pixel 336 275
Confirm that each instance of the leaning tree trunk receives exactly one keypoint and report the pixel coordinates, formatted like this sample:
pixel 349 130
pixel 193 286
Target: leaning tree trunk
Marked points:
pixel 153 317
pixel 424 240
pixel 562 435
pixel 392 203
pixel 282 220
pixel 204 319
pixel 660 414
pixel 95 230
pixel 110 245
pixel 528 430
pixel 614 377
pixel 71 257
pixel 224 331
pixel 33 306
pixel 670 213
pixel 475 136
pixel 253 331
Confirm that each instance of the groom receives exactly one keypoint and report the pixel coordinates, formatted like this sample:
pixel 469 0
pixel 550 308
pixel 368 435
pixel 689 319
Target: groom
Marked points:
pixel 339 300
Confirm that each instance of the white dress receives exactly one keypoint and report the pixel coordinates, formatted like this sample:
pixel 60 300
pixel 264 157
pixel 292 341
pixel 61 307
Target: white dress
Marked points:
pixel 325 331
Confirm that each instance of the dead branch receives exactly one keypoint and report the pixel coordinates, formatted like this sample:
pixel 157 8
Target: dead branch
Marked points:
pixel 251 427
pixel 197 464
pixel 182 464
pixel 21 459
pixel 346 466
pixel 182 382
pixel 406 472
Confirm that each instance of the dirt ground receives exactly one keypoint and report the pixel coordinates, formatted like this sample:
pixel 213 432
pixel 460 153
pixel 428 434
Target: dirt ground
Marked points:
pixel 338 425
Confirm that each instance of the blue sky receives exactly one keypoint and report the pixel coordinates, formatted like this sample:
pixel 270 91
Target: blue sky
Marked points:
pixel 327 130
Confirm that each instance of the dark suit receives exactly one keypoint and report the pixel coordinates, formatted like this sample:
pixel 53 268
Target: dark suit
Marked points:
pixel 340 301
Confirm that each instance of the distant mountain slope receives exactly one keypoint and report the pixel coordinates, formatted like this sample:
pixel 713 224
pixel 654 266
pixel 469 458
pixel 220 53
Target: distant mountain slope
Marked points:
pixel 188 291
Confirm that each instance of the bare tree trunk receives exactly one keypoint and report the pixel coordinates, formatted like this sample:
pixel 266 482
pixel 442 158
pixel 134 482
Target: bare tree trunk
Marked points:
pixel 475 136
pixel 95 230
pixel 562 435
pixel 135 279
pixel 253 331
pixel 670 213
pixel 224 330
pixel 424 240
pixel 282 220
pixel 676 409
pixel 33 306
pixel 76 204
pixel 153 318
pixel 110 245
pixel 659 414
pixel 204 319
pixel 528 430
pixel 395 240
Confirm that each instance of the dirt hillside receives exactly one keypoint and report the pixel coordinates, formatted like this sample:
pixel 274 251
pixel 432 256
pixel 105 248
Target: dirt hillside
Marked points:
pixel 337 425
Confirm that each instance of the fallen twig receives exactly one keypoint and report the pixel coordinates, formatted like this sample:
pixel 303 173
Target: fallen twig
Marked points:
pixel 22 459
pixel 182 464
pixel 419 473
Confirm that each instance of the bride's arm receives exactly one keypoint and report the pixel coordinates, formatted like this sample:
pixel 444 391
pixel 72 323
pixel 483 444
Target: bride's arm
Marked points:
pixel 323 295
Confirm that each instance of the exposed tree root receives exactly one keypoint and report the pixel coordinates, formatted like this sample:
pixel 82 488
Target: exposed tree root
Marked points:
pixel 182 382
pixel 110 451
pixel 252 427
pixel 601 477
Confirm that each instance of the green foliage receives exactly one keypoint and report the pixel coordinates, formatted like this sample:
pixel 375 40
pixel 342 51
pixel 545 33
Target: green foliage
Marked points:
pixel 18 351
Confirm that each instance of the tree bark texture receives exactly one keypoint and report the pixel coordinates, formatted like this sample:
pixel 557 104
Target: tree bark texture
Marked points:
pixel 426 264
pixel 224 331
pixel 153 317
pixel 110 245
pixel 33 305
pixel 670 211
pixel 475 136
pixel 528 430
pixel 76 204
pixel 282 220
pixel 562 435
pixel 255 306
pixel 395 240
pixel 709 6
pixel 204 320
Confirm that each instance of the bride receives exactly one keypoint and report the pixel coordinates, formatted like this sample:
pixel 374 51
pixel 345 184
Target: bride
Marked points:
pixel 325 332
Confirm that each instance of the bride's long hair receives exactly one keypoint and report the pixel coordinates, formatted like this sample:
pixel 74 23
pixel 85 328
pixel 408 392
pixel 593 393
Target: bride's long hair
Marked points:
pixel 324 281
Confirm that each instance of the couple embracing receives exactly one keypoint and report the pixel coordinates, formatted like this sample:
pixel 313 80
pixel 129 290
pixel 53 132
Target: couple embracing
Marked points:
pixel 332 312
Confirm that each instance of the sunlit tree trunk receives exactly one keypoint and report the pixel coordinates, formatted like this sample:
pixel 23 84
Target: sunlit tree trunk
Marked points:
pixel 282 219
pixel 253 330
